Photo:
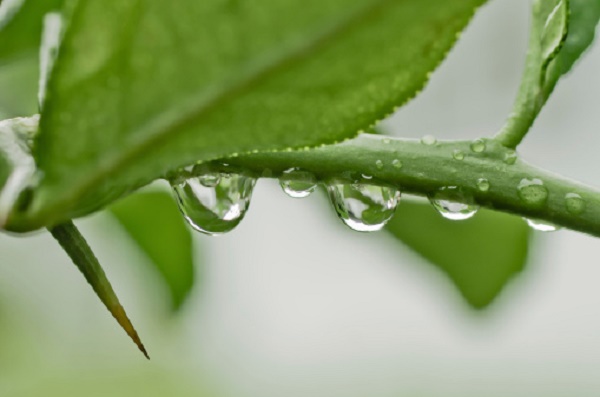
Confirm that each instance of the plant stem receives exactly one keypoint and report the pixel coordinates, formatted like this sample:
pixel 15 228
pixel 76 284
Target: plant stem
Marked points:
pixel 424 169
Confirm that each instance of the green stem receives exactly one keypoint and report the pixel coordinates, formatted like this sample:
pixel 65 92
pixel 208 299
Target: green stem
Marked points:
pixel 427 168
pixel 80 252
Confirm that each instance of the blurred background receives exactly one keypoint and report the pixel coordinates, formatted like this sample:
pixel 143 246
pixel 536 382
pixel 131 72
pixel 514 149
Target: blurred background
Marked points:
pixel 292 303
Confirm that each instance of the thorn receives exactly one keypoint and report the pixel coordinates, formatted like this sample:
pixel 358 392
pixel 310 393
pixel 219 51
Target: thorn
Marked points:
pixel 83 257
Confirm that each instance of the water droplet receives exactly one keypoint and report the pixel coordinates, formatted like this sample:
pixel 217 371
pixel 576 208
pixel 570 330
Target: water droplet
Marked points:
pixel 298 183
pixel 428 140
pixel 483 184
pixel 366 176
pixel 478 145
pixel 397 163
pixel 458 154
pixel 453 204
pixel 575 203
pixel 541 226
pixel 379 164
pixel 510 157
pixel 214 209
pixel 533 192
pixel 386 141
pixel 363 207
pixel 211 179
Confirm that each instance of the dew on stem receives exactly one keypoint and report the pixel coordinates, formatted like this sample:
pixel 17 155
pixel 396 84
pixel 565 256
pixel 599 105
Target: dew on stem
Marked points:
pixel 214 203
pixel 297 183
pixel 452 203
pixel 364 207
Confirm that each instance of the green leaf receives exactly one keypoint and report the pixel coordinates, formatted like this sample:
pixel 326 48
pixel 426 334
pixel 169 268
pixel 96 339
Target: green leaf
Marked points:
pixel 83 257
pixel 583 19
pixel 154 223
pixel 142 88
pixel 480 255
pixel 561 31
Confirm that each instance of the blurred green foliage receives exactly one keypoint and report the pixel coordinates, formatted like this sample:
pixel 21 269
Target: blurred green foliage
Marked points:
pixel 155 225
pixel 480 254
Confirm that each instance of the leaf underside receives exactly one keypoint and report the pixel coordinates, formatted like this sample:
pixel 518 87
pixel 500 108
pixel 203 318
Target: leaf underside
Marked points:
pixel 142 88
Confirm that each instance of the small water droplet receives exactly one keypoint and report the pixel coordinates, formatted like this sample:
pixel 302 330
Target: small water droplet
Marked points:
pixel 483 184
pixel 379 164
pixel 217 209
pixel 298 183
pixel 366 176
pixel 478 145
pixel 363 207
pixel 533 192
pixel 397 163
pixel 574 203
pixel 510 157
pixel 428 140
pixel 453 204
pixel 541 226
pixel 458 154
pixel 386 141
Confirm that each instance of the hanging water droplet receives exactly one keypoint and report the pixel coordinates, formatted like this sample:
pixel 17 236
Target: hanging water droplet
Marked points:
pixel 574 203
pixel 214 209
pixel 483 184
pixel 533 192
pixel 298 183
pixel 211 179
pixel 428 140
pixel 397 163
pixel 363 207
pixel 458 154
pixel 510 157
pixel 478 145
pixel 541 226
pixel 379 164
pixel 453 204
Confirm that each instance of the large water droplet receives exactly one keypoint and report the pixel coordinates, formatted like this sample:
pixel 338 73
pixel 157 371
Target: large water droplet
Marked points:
pixel 428 140
pixel 453 204
pixel 363 207
pixel 541 226
pixel 298 183
pixel 215 209
pixel 533 192
pixel 574 203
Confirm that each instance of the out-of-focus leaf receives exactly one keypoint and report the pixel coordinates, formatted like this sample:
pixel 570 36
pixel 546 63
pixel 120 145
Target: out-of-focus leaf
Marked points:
pixel 18 88
pixel 561 32
pixel 21 29
pixel 154 223
pixel 20 37
pixel 582 22
pixel 480 254
pixel 141 88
